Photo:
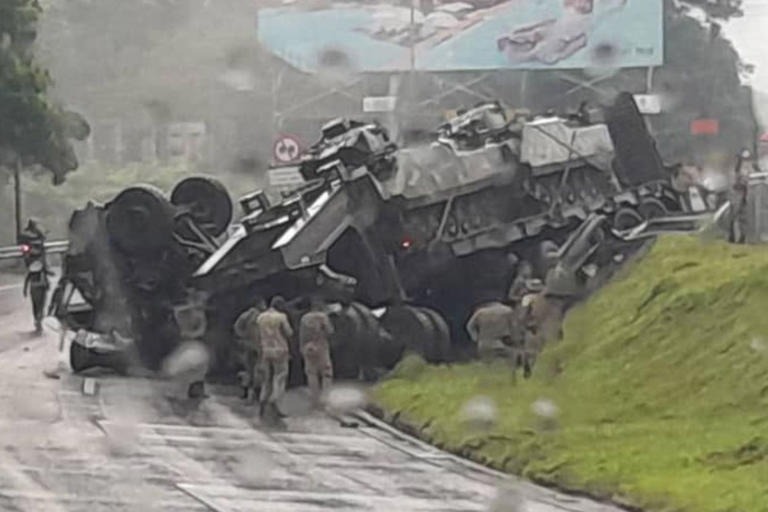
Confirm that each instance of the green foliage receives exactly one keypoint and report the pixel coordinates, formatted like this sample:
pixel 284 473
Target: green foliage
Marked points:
pixel 661 382
pixel 700 78
pixel 721 9
pixel 31 126
pixel 152 60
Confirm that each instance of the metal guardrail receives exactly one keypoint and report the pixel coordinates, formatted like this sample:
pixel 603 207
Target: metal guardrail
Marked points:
pixel 665 225
pixel 14 251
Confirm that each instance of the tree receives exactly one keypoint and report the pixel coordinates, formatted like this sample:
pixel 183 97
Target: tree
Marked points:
pixel 88 60
pixel 701 78
pixel 33 130
pixel 723 9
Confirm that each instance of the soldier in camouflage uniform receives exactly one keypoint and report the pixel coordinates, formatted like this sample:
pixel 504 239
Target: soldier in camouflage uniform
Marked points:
pixel 738 199
pixel 519 284
pixel 530 292
pixel 739 208
pixel 247 335
pixel 542 314
pixel 315 330
pixel 496 330
pixel 274 332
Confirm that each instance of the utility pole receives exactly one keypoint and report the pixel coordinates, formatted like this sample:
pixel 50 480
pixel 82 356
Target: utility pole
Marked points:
pixel 408 112
pixel 17 195
pixel 413 36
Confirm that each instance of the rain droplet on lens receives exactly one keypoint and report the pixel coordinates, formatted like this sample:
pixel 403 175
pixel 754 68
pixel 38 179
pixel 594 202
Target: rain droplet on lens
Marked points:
pixel 507 499
pixel 122 438
pixel 343 399
pixel 254 468
pixel 604 55
pixel 334 58
pixel 759 345
pixel 189 357
pixel 479 412
pixel 43 408
pixel 545 408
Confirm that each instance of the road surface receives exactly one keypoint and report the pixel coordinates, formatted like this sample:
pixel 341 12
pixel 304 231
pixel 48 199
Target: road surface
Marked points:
pixel 129 447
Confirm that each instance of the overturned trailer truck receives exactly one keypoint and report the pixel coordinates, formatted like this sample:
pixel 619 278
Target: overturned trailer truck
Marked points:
pixel 402 242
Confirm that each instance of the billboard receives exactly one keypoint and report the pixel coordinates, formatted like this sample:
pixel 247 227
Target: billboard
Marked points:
pixel 390 35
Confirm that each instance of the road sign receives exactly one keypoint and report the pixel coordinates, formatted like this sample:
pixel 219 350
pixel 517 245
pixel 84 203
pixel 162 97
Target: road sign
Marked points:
pixel 648 103
pixel 379 103
pixel 287 149
pixel 285 177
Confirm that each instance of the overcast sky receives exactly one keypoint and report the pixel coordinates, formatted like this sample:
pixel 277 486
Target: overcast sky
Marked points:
pixel 750 37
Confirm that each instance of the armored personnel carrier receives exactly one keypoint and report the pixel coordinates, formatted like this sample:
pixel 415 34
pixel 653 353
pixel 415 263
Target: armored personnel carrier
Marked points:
pixel 405 242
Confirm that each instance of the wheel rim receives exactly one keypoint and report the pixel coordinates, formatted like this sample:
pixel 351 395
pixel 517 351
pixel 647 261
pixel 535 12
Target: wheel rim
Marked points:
pixel 207 201
pixel 140 220
pixel 626 218
pixel 652 208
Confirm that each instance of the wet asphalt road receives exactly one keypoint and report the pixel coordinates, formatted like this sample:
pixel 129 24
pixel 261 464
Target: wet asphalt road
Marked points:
pixel 130 446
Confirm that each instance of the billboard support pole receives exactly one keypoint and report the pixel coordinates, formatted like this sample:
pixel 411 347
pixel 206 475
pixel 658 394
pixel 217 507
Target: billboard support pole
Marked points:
pixel 524 90
pixel 413 34
pixel 394 86
pixel 582 84
pixel 649 80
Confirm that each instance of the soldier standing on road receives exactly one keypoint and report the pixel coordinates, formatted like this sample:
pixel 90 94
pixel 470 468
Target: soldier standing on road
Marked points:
pixel 247 333
pixel 36 284
pixel 315 330
pixel 274 331
pixel 495 329
pixel 739 194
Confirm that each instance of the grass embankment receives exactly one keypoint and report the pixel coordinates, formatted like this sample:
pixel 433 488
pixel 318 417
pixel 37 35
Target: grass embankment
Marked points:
pixel 661 383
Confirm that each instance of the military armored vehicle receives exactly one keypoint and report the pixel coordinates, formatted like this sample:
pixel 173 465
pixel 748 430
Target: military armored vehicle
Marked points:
pixel 405 242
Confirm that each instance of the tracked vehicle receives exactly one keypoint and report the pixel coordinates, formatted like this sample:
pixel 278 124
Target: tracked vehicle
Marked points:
pixel 405 242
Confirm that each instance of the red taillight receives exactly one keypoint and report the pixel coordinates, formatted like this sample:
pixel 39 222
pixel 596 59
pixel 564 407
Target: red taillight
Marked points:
pixel 25 248
pixel 705 127
pixel 406 243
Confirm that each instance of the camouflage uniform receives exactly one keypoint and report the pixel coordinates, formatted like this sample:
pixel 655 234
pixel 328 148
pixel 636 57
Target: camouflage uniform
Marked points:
pixel 36 283
pixel 274 332
pixel 739 210
pixel 543 319
pixel 315 330
pixel 520 285
pixel 517 290
pixel 495 329
pixel 247 333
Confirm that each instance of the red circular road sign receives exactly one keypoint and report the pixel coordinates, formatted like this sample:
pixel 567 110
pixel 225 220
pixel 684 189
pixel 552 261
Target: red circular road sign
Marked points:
pixel 287 149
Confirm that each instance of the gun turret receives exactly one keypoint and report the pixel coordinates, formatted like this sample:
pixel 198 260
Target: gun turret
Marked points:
pixel 354 144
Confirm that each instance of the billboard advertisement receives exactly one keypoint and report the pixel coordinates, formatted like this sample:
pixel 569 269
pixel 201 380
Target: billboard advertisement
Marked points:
pixel 435 35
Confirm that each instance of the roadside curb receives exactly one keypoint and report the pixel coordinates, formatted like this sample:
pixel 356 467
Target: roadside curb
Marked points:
pixel 407 433
pixel 392 423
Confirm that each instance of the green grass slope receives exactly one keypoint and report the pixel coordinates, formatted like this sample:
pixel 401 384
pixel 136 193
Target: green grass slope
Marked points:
pixel 661 383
